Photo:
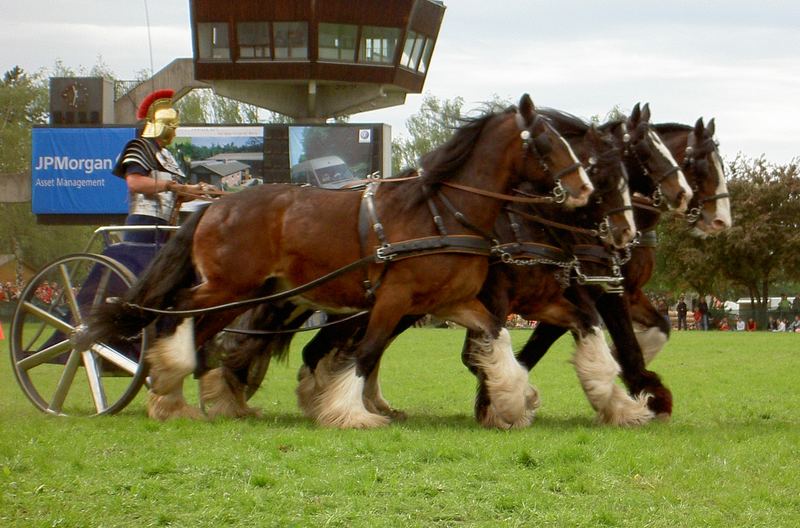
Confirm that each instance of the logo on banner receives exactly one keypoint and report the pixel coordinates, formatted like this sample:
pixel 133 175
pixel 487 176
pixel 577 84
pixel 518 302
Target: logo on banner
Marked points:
pixel 71 170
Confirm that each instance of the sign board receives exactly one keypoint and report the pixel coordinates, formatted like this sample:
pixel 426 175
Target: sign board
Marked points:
pixel 71 167
pixel 71 170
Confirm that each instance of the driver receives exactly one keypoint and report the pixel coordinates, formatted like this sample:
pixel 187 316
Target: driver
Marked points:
pixel 154 178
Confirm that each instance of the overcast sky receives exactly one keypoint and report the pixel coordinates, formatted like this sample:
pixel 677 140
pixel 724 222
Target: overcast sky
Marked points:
pixel 735 60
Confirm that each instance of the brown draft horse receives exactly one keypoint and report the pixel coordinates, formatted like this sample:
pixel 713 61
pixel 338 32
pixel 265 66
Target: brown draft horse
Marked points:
pixel 277 237
pixel 531 287
pixel 696 151
pixel 533 293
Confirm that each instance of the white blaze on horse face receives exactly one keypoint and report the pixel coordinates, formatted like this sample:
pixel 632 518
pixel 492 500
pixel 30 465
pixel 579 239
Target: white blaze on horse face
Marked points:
pixel 579 196
pixel 626 201
pixel 682 182
pixel 723 209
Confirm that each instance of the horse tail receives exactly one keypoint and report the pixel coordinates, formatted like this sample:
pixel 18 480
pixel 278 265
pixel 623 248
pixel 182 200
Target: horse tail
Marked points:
pixel 169 272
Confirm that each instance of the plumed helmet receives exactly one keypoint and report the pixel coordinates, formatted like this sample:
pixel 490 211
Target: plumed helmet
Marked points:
pixel 161 119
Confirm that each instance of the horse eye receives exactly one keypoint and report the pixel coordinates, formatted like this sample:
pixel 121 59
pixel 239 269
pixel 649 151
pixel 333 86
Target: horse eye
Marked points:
pixel 542 144
pixel 643 150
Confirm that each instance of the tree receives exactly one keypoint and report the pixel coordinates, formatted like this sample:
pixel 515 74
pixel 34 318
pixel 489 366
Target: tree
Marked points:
pixel 429 128
pixel 202 106
pixel 761 248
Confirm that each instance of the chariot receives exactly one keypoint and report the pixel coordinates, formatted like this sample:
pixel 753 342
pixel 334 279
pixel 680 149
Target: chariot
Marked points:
pixel 42 341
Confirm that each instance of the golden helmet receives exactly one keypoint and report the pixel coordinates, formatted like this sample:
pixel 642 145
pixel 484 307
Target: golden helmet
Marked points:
pixel 161 119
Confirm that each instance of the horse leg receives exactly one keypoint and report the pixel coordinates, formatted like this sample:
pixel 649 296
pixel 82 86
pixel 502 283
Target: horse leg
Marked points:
pixel 170 359
pixel 173 357
pixel 373 396
pixel 327 342
pixel 540 341
pixel 245 359
pixel 594 365
pixel 641 383
pixel 652 330
pixel 340 378
pixel 504 398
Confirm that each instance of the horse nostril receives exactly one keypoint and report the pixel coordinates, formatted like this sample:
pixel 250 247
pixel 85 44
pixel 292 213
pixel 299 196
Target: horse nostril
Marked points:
pixel 718 225
pixel 586 188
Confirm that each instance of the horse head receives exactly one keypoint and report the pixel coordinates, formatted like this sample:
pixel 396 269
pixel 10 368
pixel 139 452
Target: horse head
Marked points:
pixel 646 153
pixel 611 200
pixel 545 148
pixel 710 208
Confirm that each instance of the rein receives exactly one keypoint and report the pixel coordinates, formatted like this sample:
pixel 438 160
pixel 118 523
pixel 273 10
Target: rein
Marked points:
pixel 244 331
pixel 553 223
pixel 256 300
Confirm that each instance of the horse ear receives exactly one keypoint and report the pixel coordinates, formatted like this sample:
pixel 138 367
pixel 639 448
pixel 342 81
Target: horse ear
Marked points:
pixel 526 109
pixel 699 127
pixel 711 127
pixel 636 114
pixel 646 112
pixel 592 132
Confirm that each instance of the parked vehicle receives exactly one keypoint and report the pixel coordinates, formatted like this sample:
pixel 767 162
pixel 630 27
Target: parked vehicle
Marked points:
pixel 330 172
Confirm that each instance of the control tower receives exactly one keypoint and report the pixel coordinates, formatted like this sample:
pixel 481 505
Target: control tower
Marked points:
pixel 307 59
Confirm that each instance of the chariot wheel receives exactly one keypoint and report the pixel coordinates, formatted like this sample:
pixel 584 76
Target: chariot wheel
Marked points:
pixel 50 314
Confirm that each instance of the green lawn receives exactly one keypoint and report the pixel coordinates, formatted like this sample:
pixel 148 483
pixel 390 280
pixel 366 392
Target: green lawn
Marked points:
pixel 728 458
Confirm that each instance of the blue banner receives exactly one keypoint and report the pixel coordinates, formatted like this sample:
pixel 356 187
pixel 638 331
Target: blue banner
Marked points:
pixel 71 172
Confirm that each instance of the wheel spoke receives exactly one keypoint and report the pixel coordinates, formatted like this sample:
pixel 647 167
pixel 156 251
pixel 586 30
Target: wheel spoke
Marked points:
pixel 65 383
pixel 116 358
pixel 95 383
pixel 48 317
pixel 102 287
pixel 42 356
pixel 66 280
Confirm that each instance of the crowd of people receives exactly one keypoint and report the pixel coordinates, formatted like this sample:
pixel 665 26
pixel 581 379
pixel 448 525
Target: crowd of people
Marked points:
pixel 698 315
pixel 10 291
pixel 46 292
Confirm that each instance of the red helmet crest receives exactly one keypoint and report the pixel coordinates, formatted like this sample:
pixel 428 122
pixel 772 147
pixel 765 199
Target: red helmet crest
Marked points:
pixel 144 107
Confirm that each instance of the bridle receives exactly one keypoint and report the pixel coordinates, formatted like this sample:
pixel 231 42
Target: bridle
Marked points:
pixel 540 148
pixel 692 161
pixel 613 155
pixel 636 151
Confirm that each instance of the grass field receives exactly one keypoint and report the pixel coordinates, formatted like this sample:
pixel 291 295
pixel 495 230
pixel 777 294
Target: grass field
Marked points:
pixel 730 457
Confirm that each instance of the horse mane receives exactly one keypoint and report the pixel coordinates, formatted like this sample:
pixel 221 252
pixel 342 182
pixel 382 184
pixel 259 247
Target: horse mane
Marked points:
pixel 568 125
pixel 442 162
pixel 672 127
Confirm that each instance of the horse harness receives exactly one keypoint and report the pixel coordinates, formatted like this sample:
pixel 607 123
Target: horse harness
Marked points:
pixel 690 161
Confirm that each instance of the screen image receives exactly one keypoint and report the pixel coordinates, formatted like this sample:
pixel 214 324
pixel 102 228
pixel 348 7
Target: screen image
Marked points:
pixel 228 158
pixel 331 156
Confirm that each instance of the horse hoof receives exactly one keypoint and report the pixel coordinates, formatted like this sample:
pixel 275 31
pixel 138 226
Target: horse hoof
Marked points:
pixel 532 401
pixel 397 415
pixel 492 419
pixel 167 407
pixel 364 420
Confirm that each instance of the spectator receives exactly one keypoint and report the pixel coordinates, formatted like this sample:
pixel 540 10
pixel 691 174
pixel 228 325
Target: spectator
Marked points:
pixel 702 307
pixel 723 325
pixel 795 325
pixel 780 326
pixel 796 305
pixel 663 308
pixel 740 326
pixel 751 325
pixel 784 307
pixel 682 310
